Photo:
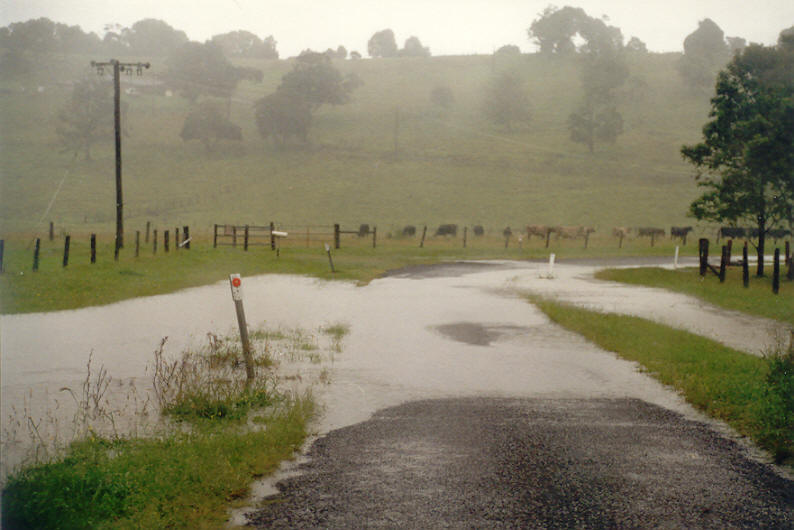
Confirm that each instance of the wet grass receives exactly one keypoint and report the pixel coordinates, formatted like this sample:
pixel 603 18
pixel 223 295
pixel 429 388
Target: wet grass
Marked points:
pixel 757 299
pixel 751 394
pixel 82 284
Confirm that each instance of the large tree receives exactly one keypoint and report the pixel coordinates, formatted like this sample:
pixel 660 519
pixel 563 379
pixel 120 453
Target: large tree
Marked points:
pixel 413 48
pixel 208 124
pixel 382 44
pixel 246 44
pixel 196 69
pixel 506 102
pixel 87 117
pixel 705 53
pixel 153 37
pixel 746 159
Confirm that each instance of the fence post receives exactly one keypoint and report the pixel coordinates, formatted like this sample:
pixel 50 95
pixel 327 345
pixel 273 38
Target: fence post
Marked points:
pixel 548 236
pixel 788 252
pixel 307 236
pixel 234 235
pixel 745 267
pixel 374 236
pixel 703 252
pixel 93 249
pixel 52 231
pixel 148 225
pixel 116 247
pixel 2 248
pixel 776 272
pixel 176 238
pixel 215 236
pixel 67 240
pixel 730 250
pixel 137 243
pixel 587 238
pixel 186 235
pixel 723 263
pixel 273 238
pixel 165 241
pixel 154 241
pixel 507 240
pixel 336 235
pixel 36 255
pixel 245 239
pixel 465 233
pixel 424 233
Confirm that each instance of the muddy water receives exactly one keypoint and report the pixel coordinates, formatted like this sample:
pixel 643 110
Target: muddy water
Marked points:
pixel 412 336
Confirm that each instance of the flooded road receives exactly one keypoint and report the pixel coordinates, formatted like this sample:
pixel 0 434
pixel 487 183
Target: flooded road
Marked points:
pixel 461 330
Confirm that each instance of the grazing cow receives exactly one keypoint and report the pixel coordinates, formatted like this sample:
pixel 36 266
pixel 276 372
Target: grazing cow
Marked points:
pixel 652 232
pixel 447 230
pixel 537 230
pixel 363 230
pixel 409 230
pixel 733 232
pixel 569 232
pixel 621 231
pixel 478 230
pixel 680 231
pixel 507 232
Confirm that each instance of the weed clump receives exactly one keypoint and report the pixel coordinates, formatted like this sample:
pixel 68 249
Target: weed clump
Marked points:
pixel 776 411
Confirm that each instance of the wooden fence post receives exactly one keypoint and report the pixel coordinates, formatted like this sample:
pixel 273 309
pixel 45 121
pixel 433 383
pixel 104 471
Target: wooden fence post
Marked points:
pixel 272 237
pixel 374 236
pixel 154 241
pixel 465 233
pixel 234 235
pixel 165 240
pixel 745 267
pixel 730 250
pixel 2 249
pixel 620 243
pixel 67 240
pixel 137 243
pixel 788 252
pixel 186 235
pixel 52 231
pixel 176 238
pixel 245 239
pixel 723 263
pixel 215 236
pixel 548 236
pixel 148 225
pixel 424 233
pixel 703 252
pixel 116 247
pixel 36 255
pixel 507 240
pixel 93 248
pixel 776 272
pixel 336 235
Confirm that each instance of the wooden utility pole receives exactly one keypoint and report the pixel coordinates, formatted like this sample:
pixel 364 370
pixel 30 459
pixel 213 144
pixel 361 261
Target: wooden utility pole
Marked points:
pixel 118 67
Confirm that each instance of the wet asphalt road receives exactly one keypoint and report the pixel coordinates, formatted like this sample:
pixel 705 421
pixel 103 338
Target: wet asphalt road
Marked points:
pixel 529 463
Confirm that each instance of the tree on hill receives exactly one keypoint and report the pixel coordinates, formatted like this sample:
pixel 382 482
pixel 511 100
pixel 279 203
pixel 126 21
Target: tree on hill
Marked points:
pixel 413 48
pixel 282 115
pixel 208 124
pixel 705 52
pixel 593 122
pixel 246 44
pixel 382 44
pixel 506 102
pixel 554 30
pixel 42 35
pixel 635 45
pixel 197 69
pixel 152 37
pixel 746 159
pixel 508 50
pixel 86 118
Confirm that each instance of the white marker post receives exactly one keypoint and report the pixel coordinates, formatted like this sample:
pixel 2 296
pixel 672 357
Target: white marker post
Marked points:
pixel 552 257
pixel 237 296
pixel 675 261
pixel 331 261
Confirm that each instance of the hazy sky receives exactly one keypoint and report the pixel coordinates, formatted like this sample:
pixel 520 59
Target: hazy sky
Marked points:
pixel 448 27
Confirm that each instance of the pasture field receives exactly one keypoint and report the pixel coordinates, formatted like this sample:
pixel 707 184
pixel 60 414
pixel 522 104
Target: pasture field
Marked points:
pixel 449 166
pixel 757 299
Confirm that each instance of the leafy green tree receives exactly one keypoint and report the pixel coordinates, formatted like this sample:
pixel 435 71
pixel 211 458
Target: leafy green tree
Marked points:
pixel 208 124
pixel 635 45
pixel 382 44
pixel 506 102
pixel 246 44
pixel 413 48
pixel 196 69
pixel 594 121
pixel 746 159
pixel 508 50
pixel 554 30
pixel 282 115
pixel 705 52
pixel 152 37
pixel 86 118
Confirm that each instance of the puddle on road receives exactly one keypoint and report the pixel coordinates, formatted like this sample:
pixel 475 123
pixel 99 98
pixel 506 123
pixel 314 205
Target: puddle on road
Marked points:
pixel 479 334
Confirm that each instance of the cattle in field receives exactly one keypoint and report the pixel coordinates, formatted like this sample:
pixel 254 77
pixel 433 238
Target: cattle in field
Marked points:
pixel 363 230
pixel 621 231
pixel 447 230
pixel 733 232
pixel 478 230
pixel 778 233
pixel 537 230
pixel 507 232
pixel 651 232
pixel 680 231
pixel 409 230
pixel 569 232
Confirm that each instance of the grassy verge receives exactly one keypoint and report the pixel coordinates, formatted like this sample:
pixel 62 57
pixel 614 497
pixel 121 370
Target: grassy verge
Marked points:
pixel 81 284
pixel 753 395
pixel 221 435
pixel 757 299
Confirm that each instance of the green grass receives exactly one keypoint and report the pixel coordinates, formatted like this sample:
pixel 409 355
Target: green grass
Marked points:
pixel 751 394
pixel 757 299
pixel 81 284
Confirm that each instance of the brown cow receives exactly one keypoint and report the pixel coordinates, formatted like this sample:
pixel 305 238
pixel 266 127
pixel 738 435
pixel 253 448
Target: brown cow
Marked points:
pixel 537 230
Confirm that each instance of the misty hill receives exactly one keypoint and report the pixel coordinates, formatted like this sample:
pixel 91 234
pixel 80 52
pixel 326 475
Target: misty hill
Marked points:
pixel 391 156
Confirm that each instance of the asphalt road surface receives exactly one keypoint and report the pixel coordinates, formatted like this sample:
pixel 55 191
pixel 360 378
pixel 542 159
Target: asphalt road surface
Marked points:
pixel 530 463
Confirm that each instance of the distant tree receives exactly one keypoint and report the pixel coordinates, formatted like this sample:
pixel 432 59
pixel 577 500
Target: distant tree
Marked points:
pixel 382 44
pixel 152 37
pixel 595 122
pixel 555 28
pixel 413 48
pixel 736 44
pixel 341 52
pixel 355 55
pixel 705 52
pixel 86 118
pixel 197 69
pixel 635 45
pixel 508 50
pixel 442 96
pixel 746 159
pixel 208 124
pixel 246 44
pixel 785 40
pixel 506 102
pixel 282 115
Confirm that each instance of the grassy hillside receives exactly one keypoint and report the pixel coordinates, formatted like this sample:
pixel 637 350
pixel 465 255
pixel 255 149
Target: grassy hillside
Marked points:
pixel 451 166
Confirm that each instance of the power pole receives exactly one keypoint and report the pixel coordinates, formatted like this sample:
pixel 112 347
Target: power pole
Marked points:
pixel 118 67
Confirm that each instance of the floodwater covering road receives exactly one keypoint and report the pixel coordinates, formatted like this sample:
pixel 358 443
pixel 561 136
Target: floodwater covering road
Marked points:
pixel 454 339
